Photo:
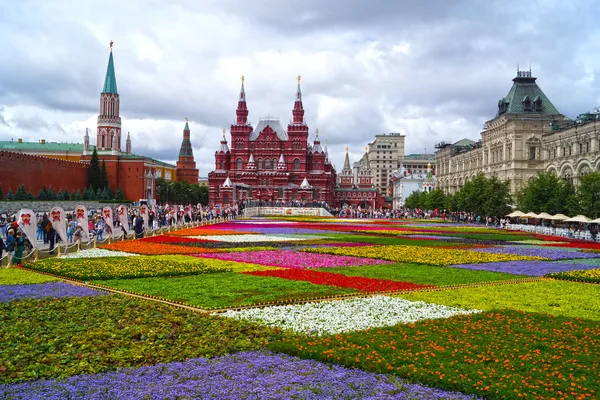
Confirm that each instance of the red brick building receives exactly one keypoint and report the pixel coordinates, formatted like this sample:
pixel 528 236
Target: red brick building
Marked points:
pixel 269 162
pixel 362 193
pixel 186 166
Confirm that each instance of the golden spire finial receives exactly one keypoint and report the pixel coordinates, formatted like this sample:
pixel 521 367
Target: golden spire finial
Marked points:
pixel 299 79
pixel 243 78
pixel 111 45
pixel 366 149
pixel 317 131
pixel 347 149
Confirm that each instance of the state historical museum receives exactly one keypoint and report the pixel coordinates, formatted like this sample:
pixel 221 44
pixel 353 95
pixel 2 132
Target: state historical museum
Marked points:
pixel 269 162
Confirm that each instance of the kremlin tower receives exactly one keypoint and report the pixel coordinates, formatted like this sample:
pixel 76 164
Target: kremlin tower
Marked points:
pixel 186 166
pixel 109 121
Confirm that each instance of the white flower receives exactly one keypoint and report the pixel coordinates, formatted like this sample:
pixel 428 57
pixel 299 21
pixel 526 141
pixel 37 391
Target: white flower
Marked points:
pixel 95 253
pixel 338 316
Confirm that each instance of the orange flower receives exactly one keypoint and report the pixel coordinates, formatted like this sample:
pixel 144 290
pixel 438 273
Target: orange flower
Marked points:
pixel 149 248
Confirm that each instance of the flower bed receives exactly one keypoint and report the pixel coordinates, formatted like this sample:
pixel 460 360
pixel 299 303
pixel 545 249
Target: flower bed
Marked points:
pixel 251 238
pixel 97 253
pixel 585 275
pixel 506 354
pixel 338 280
pixel 206 231
pixel 245 375
pixel 538 252
pixel 148 248
pixel 42 290
pixel 532 268
pixel 332 317
pixel 173 239
pixel 293 259
pixel 58 338
pixel 575 245
pixel 422 255
pixel 16 276
pixel 124 267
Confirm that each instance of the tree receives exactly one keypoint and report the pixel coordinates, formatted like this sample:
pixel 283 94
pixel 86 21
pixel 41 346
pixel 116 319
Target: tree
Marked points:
pixel 99 194
pixel 416 199
pixel 94 172
pixel 60 195
pixel 435 200
pixel 21 193
pixel 1 194
pixel 119 194
pixel 51 194
pixel 589 194
pixel 109 193
pixel 497 198
pixel 450 202
pixel 569 200
pixel 203 194
pixel 29 196
pixel 42 195
pixel 104 194
pixel 76 195
pixel 542 194
pixel 9 195
pixel 103 176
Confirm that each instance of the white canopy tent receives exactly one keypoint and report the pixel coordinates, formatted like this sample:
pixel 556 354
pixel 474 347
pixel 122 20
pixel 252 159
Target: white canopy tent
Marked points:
pixel 559 217
pixel 515 214
pixel 579 218
pixel 544 216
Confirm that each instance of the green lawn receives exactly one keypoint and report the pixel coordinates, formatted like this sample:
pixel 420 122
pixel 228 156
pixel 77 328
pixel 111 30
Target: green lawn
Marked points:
pixel 52 338
pixel 424 274
pixel 14 276
pixel 225 289
pixel 569 299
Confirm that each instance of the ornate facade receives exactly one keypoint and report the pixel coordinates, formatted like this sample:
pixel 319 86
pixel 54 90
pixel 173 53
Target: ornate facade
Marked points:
pixel 359 191
pixel 269 162
pixel 186 166
pixel 511 145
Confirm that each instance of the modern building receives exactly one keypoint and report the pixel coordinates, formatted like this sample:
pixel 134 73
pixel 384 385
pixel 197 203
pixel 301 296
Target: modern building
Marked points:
pixel 511 144
pixel 384 156
pixel 269 162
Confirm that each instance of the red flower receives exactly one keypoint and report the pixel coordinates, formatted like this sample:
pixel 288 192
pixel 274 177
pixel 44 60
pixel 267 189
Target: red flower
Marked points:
pixel 339 280
pixel 173 239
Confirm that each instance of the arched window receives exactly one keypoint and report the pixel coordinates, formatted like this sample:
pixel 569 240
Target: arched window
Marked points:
pixel 220 164
pixel 238 163
pixel 102 140
pixel 316 167
pixel 259 163
pixel 274 163
pixel 267 164
pixel 296 164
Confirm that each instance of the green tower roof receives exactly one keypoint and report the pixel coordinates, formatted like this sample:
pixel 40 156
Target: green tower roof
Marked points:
pixel 526 97
pixel 110 82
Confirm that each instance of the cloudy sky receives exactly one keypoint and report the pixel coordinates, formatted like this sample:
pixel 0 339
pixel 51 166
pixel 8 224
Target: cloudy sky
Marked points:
pixel 433 70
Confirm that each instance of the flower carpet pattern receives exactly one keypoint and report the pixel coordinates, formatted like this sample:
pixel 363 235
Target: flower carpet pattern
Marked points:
pixel 307 307
pixel 293 259
pixel 329 279
pixel 245 375
pixel 423 255
pixel 42 290
pixel 339 316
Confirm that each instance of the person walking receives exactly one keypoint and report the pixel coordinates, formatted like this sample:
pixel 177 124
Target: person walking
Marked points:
pixel 10 242
pixel 51 235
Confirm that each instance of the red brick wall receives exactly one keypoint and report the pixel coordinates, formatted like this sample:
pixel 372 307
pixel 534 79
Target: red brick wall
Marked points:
pixel 35 172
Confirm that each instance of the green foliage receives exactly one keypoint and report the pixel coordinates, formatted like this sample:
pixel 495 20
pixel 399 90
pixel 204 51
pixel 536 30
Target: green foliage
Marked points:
pixel 94 172
pixel 103 176
pixel 21 193
pixel 497 198
pixel 181 192
pixel 482 196
pixel 29 196
pixel 104 194
pixel 9 195
pixel 90 193
pixel 422 274
pixel 99 194
pixel 14 276
pixel 542 194
pixel 60 195
pixel 76 195
pixel 227 289
pixel 109 194
pixel 569 198
pixel 90 335
pixel 1 194
pixel 589 194
pixel 435 199
pixel 119 194
pixel 494 355
pixel 42 195
pixel 574 300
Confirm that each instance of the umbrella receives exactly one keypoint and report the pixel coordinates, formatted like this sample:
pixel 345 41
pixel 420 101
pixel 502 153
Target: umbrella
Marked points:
pixel 559 217
pixel 515 214
pixel 544 216
pixel 530 215
pixel 579 218
pixel 595 221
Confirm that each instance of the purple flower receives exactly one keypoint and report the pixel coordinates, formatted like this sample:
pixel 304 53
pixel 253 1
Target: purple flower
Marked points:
pixel 539 252
pixel 247 375
pixel 52 289
pixel 532 268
